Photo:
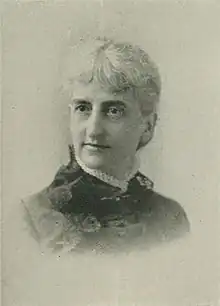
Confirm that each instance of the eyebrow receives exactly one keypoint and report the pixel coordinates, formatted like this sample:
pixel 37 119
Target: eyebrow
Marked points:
pixel 115 103
pixel 106 103
pixel 82 101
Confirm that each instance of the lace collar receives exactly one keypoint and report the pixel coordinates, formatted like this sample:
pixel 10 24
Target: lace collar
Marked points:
pixel 122 184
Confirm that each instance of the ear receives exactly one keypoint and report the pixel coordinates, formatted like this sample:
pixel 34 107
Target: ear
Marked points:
pixel 149 127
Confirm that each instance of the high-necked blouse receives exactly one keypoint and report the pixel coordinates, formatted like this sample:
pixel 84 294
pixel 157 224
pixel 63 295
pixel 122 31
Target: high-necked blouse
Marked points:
pixel 78 211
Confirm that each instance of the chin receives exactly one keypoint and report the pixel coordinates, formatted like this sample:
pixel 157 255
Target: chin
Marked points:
pixel 94 163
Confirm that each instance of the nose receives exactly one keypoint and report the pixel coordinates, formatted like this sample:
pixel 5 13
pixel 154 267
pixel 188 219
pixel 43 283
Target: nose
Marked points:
pixel 94 125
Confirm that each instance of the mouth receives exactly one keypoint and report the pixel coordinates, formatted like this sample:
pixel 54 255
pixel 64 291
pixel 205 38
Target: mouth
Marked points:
pixel 93 146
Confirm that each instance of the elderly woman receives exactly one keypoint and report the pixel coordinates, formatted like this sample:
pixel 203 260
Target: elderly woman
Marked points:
pixel 100 200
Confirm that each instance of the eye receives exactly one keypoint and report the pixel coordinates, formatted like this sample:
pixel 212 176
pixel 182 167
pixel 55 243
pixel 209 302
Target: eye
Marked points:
pixel 82 108
pixel 115 112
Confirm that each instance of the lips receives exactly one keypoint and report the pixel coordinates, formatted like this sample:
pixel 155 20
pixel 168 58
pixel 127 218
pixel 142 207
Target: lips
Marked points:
pixel 94 146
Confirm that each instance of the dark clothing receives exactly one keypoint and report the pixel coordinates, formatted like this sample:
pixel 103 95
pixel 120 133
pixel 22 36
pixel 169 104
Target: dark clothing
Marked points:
pixel 81 212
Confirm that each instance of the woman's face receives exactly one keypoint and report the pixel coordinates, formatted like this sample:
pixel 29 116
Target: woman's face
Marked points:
pixel 105 127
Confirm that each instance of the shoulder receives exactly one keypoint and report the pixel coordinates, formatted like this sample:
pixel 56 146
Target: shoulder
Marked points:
pixel 166 215
pixel 36 205
pixel 34 208
pixel 41 219
pixel 166 206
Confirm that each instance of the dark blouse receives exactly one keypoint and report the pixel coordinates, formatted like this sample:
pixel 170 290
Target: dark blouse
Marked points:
pixel 80 212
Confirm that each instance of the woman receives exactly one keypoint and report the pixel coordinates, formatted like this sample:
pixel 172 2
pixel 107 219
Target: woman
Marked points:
pixel 100 200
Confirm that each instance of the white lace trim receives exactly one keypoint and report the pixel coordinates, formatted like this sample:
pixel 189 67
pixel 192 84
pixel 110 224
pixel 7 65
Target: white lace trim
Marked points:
pixel 122 184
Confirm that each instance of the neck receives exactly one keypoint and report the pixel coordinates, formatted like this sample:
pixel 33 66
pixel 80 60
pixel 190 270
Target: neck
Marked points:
pixel 121 180
pixel 123 172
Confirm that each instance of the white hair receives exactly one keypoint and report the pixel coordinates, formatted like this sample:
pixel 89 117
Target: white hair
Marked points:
pixel 116 66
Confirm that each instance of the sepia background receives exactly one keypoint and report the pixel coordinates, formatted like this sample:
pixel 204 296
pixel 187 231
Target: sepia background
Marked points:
pixel 183 159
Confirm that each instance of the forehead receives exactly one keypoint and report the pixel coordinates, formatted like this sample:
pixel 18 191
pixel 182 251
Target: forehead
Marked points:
pixel 95 93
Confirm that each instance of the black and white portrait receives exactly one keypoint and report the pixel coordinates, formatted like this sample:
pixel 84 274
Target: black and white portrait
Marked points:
pixel 109 153
pixel 100 198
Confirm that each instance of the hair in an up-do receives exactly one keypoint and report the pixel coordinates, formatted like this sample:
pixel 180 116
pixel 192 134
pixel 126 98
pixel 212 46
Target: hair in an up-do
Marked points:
pixel 116 66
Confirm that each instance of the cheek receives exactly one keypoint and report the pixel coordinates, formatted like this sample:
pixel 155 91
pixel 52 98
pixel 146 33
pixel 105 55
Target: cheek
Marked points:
pixel 126 135
pixel 76 131
pixel 116 131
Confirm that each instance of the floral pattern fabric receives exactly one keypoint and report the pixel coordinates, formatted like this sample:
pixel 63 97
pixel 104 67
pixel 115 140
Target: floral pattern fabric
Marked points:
pixel 78 209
